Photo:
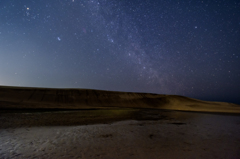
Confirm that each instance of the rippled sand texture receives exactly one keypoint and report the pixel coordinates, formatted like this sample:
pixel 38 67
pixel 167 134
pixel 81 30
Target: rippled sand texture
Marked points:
pixel 177 135
pixel 81 123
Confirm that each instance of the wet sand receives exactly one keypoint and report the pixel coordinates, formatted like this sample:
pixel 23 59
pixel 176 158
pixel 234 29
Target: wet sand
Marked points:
pixel 123 133
pixel 84 123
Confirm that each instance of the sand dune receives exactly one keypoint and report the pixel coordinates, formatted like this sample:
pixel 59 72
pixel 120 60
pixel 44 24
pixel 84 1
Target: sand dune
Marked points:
pixel 105 124
pixel 34 98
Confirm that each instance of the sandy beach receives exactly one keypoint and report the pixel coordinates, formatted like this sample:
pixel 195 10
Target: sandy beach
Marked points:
pixel 154 134
pixel 79 123
pixel 119 79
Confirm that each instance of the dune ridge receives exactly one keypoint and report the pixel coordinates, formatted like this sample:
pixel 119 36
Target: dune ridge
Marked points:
pixel 53 98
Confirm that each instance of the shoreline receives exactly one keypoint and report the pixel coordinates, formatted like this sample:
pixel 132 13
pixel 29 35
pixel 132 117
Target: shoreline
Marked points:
pixel 47 117
pixel 167 134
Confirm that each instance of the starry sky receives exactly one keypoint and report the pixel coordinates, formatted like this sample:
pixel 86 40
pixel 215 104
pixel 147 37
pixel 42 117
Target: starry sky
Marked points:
pixel 182 47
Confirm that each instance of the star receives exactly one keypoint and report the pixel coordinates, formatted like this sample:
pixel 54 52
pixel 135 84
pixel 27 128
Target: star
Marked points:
pixel 177 45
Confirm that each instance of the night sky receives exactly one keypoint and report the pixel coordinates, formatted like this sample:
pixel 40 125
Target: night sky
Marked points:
pixel 183 47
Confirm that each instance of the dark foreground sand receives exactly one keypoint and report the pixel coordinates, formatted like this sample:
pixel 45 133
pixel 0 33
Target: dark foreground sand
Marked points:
pixel 127 133
pixel 83 123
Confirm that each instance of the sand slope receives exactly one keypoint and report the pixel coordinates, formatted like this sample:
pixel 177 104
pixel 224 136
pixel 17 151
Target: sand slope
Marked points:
pixel 33 98
pixel 110 126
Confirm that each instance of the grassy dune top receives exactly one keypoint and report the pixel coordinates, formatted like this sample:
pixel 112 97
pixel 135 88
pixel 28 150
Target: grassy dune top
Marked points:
pixel 49 98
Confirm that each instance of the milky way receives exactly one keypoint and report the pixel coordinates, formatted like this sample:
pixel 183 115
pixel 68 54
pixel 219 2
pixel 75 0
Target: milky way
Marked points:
pixel 187 48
